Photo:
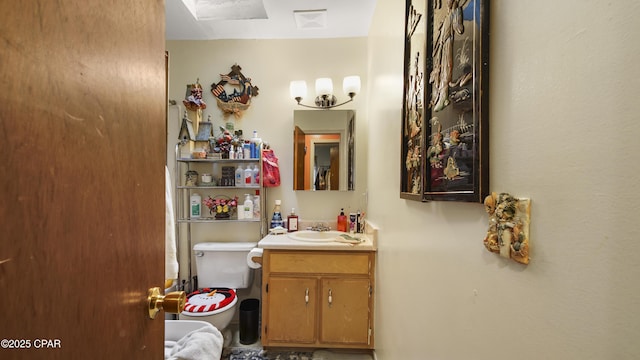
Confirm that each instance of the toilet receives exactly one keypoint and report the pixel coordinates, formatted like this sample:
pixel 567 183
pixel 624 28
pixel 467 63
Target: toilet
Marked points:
pixel 222 269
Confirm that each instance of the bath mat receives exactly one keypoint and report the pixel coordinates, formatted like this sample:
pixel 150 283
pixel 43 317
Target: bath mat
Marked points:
pixel 259 354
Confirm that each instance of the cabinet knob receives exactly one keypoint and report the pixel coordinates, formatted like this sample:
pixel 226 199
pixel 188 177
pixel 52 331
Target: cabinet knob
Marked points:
pixel 330 298
pixel 306 296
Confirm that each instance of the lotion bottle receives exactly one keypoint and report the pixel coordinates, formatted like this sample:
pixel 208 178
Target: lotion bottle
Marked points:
pixel 248 207
pixel 195 208
pixel 342 221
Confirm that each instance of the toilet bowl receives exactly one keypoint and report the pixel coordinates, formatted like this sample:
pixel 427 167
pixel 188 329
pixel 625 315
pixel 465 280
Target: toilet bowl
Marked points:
pixel 222 269
pixel 216 306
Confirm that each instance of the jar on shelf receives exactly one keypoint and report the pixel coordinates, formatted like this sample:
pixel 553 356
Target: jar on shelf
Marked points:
pixel 191 178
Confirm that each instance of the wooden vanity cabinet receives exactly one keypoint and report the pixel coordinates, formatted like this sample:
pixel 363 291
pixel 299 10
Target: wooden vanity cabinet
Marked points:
pixel 318 299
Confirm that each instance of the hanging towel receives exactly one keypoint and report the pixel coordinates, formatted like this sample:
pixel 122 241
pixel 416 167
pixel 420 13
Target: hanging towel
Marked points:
pixel 171 260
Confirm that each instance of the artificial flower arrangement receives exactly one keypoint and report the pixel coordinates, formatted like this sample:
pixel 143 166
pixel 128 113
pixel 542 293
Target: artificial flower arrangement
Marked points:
pixel 226 141
pixel 221 207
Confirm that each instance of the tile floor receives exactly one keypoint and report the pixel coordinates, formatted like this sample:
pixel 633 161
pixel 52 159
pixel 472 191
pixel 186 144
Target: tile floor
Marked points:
pixel 316 355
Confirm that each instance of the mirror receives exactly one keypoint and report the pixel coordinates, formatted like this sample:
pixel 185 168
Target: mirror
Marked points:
pixel 323 150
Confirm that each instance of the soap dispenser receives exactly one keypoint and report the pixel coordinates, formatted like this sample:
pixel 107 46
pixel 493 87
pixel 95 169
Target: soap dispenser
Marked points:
pixel 342 221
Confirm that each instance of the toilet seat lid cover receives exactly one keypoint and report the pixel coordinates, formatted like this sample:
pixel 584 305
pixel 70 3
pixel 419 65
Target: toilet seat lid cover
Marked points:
pixel 209 299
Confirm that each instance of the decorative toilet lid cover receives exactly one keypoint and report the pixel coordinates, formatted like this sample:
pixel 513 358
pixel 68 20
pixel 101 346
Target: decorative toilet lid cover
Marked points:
pixel 209 299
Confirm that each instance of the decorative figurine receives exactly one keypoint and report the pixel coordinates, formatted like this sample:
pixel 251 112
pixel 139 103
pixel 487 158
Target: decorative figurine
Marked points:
pixel 193 99
pixel 191 178
pixel 508 233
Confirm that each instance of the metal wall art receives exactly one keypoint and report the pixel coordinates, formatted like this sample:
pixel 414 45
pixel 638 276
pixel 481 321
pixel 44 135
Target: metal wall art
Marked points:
pixel 413 131
pixel 445 130
pixel 239 99
pixel 509 220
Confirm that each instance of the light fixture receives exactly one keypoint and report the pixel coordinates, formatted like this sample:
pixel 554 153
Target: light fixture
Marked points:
pixel 324 91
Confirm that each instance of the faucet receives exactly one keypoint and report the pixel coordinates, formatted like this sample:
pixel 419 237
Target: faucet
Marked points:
pixel 320 227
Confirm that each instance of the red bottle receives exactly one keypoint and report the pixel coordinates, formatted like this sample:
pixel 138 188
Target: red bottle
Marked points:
pixel 342 221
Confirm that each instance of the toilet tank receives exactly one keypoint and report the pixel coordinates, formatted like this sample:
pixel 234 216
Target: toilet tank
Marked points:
pixel 223 264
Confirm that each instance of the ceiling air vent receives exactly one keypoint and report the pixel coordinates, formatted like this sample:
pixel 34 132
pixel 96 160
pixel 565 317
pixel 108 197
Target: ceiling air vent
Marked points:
pixel 311 19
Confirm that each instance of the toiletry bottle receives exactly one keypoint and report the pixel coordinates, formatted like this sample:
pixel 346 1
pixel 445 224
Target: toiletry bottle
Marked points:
pixel 196 206
pixel 248 207
pixel 276 219
pixel 246 149
pixel 232 153
pixel 255 176
pixel 292 221
pixel 239 154
pixel 256 205
pixel 239 176
pixel 256 145
pixel 248 174
pixel 353 221
pixel 342 221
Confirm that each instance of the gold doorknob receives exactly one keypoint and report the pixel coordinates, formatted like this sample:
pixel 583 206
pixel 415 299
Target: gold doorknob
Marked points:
pixel 172 303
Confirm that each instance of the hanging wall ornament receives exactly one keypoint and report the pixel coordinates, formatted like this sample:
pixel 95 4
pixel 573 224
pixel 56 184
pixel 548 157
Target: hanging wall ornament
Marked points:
pixel 193 98
pixel 239 99
pixel 508 233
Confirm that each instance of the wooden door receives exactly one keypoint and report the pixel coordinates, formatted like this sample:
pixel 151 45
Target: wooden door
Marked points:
pixel 83 143
pixel 345 311
pixel 299 153
pixel 334 155
pixel 291 310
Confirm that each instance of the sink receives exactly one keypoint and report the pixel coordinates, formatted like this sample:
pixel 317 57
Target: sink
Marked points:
pixel 315 236
pixel 318 236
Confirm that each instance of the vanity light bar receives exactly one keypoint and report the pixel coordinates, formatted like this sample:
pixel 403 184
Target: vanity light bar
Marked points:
pixel 324 90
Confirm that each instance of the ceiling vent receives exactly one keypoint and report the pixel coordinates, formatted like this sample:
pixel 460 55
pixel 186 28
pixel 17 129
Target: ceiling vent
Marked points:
pixel 311 19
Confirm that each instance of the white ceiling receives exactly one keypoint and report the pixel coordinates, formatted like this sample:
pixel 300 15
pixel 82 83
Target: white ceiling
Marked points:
pixel 344 18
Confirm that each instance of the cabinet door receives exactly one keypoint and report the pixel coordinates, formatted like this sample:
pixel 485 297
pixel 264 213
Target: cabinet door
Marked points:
pixel 345 311
pixel 292 310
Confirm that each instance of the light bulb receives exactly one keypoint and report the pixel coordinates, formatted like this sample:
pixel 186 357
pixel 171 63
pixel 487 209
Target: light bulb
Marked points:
pixel 298 89
pixel 324 86
pixel 351 85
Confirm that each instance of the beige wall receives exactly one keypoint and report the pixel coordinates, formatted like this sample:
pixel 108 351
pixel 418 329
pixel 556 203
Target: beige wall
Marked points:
pixel 563 131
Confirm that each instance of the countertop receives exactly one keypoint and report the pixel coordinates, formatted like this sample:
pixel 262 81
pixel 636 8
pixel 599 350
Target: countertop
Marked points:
pixel 284 242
